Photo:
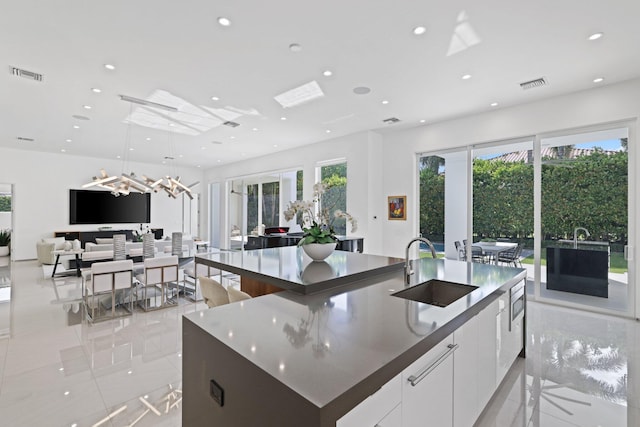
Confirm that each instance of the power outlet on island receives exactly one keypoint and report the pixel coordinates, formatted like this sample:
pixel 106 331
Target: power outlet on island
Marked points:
pixel 217 393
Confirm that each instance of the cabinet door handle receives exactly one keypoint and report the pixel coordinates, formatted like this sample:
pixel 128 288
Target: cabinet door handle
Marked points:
pixel 415 379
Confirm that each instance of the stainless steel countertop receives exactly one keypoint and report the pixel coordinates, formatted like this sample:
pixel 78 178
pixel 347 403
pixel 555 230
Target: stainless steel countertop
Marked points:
pixel 289 268
pixel 343 344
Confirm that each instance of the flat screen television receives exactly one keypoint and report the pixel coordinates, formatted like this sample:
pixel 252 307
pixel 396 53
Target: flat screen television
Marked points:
pixel 101 207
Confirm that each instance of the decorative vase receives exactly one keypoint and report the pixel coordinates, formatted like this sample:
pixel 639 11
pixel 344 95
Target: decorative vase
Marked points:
pixel 319 251
pixel 4 250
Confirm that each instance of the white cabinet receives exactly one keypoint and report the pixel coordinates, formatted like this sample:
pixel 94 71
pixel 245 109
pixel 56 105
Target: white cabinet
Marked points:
pixel 427 388
pixel 392 419
pixel 465 373
pixel 381 409
pixel 487 333
pixel 474 378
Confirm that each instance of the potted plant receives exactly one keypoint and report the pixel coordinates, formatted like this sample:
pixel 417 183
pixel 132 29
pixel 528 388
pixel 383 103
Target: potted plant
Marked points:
pixel 5 241
pixel 319 239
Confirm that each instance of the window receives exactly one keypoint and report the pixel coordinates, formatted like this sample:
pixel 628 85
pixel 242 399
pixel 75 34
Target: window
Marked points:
pixel 335 176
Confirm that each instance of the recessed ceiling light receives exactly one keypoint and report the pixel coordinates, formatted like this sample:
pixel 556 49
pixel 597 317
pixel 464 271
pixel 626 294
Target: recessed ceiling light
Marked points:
pixel 109 67
pixel 232 137
pixel 76 127
pixel 131 149
pixel 63 150
pixel 422 121
pixel 327 73
pixel 117 157
pixel 68 140
pixel 361 90
pixel 198 166
pixel 295 47
pixel 225 22
pixel 87 107
pixel 494 104
pixel 255 129
pixel 203 148
pixel 466 77
pixel 275 145
pixel 419 30
pixel 148 139
pixel 219 161
pixel 215 98
pixel 328 131
pixel 283 118
pixel 96 90
pixel 595 36
pixel 180 155
pixel 598 80
pixel 385 102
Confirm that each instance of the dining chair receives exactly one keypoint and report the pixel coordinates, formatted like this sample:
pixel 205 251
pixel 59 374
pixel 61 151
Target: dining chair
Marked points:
pixel 109 277
pixel 236 295
pixel 158 284
pixel 213 293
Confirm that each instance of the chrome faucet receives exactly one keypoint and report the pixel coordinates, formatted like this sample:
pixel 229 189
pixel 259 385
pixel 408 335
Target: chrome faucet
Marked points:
pixel 575 235
pixel 408 264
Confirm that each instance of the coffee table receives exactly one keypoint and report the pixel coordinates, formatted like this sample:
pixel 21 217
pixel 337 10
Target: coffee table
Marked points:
pixel 60 253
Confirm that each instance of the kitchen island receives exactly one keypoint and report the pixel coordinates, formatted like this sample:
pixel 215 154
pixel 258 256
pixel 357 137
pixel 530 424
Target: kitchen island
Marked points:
pixel 288 268
pixel 289 359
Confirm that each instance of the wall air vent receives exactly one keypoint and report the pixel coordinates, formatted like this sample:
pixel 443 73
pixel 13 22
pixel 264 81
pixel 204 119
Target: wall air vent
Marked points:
pixel 534 83
pixel 231 124
pixel 24 139
pixel 391 120
pixel 26 74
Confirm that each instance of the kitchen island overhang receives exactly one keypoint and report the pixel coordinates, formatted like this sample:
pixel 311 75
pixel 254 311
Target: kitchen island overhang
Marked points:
pixel 353 341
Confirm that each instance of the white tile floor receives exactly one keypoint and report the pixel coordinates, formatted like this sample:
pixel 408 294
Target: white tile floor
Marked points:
pixel 55 370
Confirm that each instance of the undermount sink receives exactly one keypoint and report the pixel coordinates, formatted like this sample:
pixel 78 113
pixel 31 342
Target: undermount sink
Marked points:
pixel 436 292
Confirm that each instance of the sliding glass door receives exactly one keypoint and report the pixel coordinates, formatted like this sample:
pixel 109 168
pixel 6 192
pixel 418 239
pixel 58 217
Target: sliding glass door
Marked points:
pixel 557 205
pixel 584 193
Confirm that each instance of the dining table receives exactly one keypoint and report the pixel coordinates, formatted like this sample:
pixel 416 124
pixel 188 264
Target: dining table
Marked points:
pixel 493 249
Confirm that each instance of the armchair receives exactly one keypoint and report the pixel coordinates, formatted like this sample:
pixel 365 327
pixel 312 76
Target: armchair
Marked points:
pixel 45 248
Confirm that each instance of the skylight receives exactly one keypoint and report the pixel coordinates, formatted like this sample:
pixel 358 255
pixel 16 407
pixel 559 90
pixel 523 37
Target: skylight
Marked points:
pixel 300 95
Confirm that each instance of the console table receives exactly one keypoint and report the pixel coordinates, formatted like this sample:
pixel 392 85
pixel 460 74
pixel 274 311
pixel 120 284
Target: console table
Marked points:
pixel 349 244
pixel 90 236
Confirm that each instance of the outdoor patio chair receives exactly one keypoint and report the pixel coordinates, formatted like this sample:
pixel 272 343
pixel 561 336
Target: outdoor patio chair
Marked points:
pixel 512 256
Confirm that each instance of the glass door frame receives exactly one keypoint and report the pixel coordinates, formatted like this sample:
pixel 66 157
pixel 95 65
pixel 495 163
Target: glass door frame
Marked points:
pixel 632 293
pixel 630 125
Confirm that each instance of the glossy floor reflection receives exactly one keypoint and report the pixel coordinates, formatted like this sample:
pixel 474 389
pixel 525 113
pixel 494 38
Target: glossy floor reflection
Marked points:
pixel 56 370
pixel 581 370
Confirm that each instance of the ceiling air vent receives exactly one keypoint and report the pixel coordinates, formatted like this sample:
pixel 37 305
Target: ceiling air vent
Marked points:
pixel 26 74
pixel 24 139
pixel 231 124
pixel 534 83
pixel 391 120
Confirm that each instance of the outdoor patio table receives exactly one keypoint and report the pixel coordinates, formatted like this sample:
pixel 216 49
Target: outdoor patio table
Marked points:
pixel 494 248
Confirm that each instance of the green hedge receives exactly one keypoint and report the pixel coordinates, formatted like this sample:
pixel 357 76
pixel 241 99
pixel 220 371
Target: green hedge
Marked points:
pixel 589 191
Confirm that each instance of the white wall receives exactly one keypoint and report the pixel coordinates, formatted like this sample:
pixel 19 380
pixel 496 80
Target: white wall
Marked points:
pixel 41 195
pixel 455 201
pixel 602 105
pixel 364 176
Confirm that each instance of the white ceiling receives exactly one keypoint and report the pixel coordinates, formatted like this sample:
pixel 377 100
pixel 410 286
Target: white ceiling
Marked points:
pixel 178 48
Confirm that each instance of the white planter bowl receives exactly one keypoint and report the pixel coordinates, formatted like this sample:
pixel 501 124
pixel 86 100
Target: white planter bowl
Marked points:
pixel 4 250
pixel 319 251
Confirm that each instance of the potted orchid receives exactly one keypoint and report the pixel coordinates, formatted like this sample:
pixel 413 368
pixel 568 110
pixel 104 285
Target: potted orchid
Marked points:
pixel 319 239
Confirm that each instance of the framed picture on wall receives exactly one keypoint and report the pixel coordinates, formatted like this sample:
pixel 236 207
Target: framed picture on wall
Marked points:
pixel 397 207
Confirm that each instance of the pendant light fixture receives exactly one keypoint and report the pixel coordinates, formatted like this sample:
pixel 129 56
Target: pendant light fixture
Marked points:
pixel 127 182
